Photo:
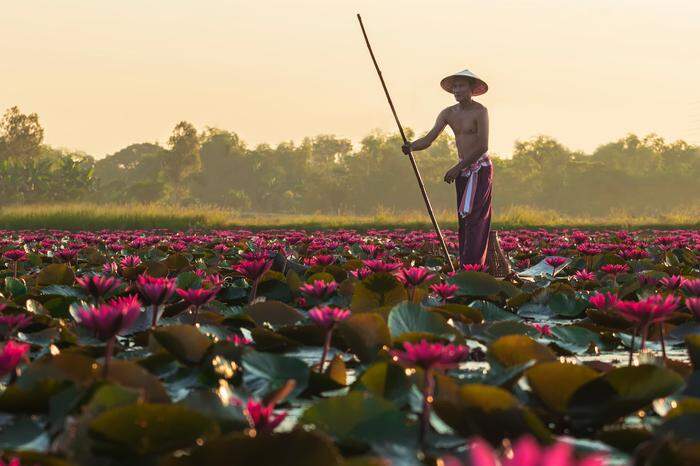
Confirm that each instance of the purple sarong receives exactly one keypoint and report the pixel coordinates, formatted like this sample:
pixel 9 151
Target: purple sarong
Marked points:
pixel 474 210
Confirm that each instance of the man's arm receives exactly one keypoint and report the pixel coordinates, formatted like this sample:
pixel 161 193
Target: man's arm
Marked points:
pixel 427 140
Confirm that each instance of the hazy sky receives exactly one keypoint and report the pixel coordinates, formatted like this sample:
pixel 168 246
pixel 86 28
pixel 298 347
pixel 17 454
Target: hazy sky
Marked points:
pixel 106 73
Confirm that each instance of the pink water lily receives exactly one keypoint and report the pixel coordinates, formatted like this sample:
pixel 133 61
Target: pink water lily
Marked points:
pixel 15 256
pixel 155 291
pixel 643 313
pixel 444 290
pixel 108 320
pixel 197 297
pixel 555 261
pixel 544 329
pixel 604 302
pixel 98 286
pixel 10 356
pixel 584 275
pixel 429 357
pixel 14 322
pixel 526 452
pixel 238 340
pixel 474 267
pixel 130 261
pixel 615 269
pixel 319 289
pixel 328 317
pixel 692 287
pixel 262 417
pixel 377 266
pixel 253 270
pixel 672 283
pixel 693 305
pixel 413 277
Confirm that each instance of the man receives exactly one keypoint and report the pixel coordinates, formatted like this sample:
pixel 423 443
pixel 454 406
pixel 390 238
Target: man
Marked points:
pixel 473 173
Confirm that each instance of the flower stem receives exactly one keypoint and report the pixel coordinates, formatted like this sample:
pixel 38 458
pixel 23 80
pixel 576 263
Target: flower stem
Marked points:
pixel 154 321
pixel 634 337
pixel 663 342
pixel 109 349
pixel 428 389
pixel 253 291
pixel 326 347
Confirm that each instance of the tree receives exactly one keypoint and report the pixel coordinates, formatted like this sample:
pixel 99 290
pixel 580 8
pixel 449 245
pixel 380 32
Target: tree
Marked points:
pixel 183 159
pixel 20 135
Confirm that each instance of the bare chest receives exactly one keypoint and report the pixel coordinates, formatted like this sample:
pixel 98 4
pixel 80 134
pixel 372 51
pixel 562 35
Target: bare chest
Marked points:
pixel 463 123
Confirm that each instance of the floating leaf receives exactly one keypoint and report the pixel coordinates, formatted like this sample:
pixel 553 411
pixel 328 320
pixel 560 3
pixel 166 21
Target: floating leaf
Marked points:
pixel 275 313
pixel 365 334
pixel 187 344
pixel 512 350
pixel 147 429
pixel 55 274
pixel 377 290
pixel 264 373
pixel 412 318
pixel 555 382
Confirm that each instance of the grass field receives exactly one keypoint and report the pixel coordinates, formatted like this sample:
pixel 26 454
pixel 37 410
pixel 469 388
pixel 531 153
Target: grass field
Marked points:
pixel 85 216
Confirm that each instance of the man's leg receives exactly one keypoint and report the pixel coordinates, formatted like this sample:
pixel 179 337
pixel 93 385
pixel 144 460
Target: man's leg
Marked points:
pixel 461 185
pixel 477 223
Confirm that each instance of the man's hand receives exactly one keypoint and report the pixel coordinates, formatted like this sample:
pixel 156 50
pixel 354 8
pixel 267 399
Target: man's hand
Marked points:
pixel 452 173
pixel 406 148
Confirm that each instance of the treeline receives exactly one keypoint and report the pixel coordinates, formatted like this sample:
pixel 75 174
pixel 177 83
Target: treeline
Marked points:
pixel 326 174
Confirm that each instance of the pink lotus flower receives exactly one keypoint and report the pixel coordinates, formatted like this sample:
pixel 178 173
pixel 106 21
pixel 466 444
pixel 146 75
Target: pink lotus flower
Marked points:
pixel 238 340
pixel 322 260
pixel 262 417
pixel 130 261
pixel 109 319
pixel 327 316
pixel 14 322
pixel 253 269
pixel 527 452
pixel 615 269
pixel 361 273
pixel 522 264
pixel 15 255
pixel 197 296
pixel 642 314
pixel 377 266
pixel 584 276
pixel 673 282
pixel 693 304
pixel 555 261
pixel 110 268
pixel 474 267
pixel 98 286
pixel 544 329
pixel 431 355
pixel 414 276
pixel 692 286
pixel 444 290
pixel 604 302
pixel 66 255
pixel 155 291
pixel 10 356
pixel 14 461
pixel 319 289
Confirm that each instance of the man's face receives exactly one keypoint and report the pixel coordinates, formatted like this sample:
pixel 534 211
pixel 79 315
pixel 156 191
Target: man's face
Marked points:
pixel 462 90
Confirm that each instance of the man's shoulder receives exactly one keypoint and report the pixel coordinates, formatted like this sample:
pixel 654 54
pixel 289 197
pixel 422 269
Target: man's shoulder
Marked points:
pixel 479 107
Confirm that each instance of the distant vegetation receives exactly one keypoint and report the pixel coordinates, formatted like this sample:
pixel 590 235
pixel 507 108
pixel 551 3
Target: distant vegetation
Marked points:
pixel 633 177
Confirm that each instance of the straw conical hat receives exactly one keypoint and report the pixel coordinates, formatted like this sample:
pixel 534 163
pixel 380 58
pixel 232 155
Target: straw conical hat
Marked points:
pixel 479 86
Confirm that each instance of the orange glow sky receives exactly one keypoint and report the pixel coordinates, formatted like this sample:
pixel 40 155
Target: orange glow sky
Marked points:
pixel 104 74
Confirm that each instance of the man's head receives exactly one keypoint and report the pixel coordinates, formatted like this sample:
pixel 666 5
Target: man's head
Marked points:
pixel 464 85
pixel 462 89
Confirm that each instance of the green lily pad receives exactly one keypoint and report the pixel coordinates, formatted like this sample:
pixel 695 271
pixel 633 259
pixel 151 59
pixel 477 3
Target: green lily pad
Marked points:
pixel 412 318
pixel 55 274
pixel 264 373
pixel 365 334
pixel 377 290
pixel 491 312
pixel 554 383
pixel 275 313
pixel 386 380
pixel 512 350
pixel 187 344
pixel 147 429
pixel 359 417
pixel 283 449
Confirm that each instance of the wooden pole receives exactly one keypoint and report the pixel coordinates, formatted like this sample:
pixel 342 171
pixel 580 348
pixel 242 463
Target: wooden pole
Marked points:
pixel 410 154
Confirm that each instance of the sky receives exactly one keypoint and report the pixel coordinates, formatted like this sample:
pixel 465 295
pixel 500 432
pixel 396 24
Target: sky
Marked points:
pixel 105 74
